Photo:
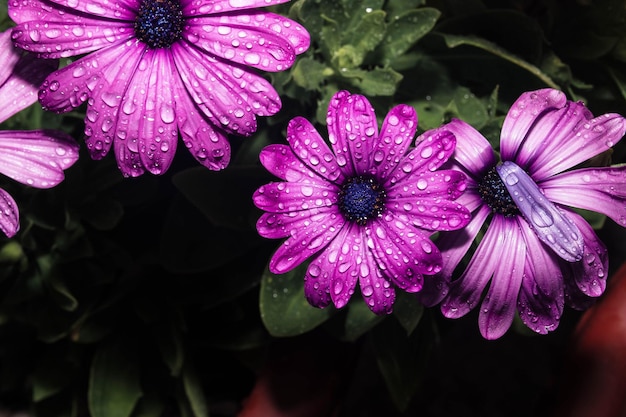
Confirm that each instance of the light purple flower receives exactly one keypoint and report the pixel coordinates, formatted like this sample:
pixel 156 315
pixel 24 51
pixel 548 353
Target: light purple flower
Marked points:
pixel 154 68
pixel 363 210
pixel 36 158
pixel 537 253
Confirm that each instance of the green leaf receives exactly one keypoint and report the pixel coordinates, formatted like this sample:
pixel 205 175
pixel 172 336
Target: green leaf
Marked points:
pixel 408 311
pixel 470 108
pixel 284 309
pixel 114 387
pixel 453 41
pixel 359 319
pixel 310 74
pixel 402 359
pixel 377 82
pixel 170 343
pixel 405 30
pixel 363 38
pixel 194 392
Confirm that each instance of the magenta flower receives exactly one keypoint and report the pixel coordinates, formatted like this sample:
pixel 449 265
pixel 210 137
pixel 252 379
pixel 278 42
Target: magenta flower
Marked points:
pixel 155 68
pixel 36 158
pixel 367 206
pixel 537 252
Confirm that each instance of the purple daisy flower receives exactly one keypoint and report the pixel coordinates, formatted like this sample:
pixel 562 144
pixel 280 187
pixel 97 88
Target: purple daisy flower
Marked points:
pixel 537 253
pixel 154 68
pixel 368 207
pixel 36 158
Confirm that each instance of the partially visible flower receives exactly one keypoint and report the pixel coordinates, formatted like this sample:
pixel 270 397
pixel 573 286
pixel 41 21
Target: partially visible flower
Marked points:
pixel 365 210
pixel 155 68
pixel 38 157
pixel 537 252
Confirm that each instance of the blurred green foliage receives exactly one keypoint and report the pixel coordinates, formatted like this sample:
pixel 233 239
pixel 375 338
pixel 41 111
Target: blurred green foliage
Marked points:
pixel 151 297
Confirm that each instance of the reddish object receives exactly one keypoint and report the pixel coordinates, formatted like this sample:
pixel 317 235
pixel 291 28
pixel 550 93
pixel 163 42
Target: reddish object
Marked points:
pixel 594 383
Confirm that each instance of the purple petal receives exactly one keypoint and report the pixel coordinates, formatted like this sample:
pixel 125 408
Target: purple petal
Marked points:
pixel 431 152
pixel 431 214
pixel 103 121
pixel 20 77
pixel 434 289
pixel 522 116
pixel 403 252
pixel 158 135
pixel 377 292
pixel 473 152
pixel 442 184
pixel 9 56
pixel 552 227
pixel 220 103
pixel 454 245
pixel 500 304
pixel 541 298
pixel 305 242
pixel 308 145
pixel 221 6
pixel 71 35
pixel 317 281
pixel 280 161
pixel 283 197
pixel 352 130
pixel 69 87
pixel 602 190
pixel 466 291
pixel 396 135
pixel 568 137
pixel 9 214
pixel 280 225
pixel 343 256
pixel 206 143
pixel 253 88
pixel 259 39
pixel 590 273
pixel 37 158
pixel 70 10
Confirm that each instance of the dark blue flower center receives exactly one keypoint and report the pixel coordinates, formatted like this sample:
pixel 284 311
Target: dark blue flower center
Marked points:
pixel 159 23
pixel 494 193
pixel 361 199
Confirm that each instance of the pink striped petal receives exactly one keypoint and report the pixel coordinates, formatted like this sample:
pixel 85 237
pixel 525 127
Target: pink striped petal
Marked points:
pixel 9 214
pixel 376 290
pixel 37 158
pixel 432 214
pixel 500 304
pixel 343 258
pixel 220 6
pixel 283 197
pixel 279 225
pixel 259 39
pixel 280 161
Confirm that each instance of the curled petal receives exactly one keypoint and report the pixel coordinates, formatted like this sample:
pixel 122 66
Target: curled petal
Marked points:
pixel 550 224
pixel 498 309
pixel 37 158
pixel 430 153
pixel 308 145
pixel 259 39
pixel 597 189
pixel 394 139
pixel 522 117
pixel 9 214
